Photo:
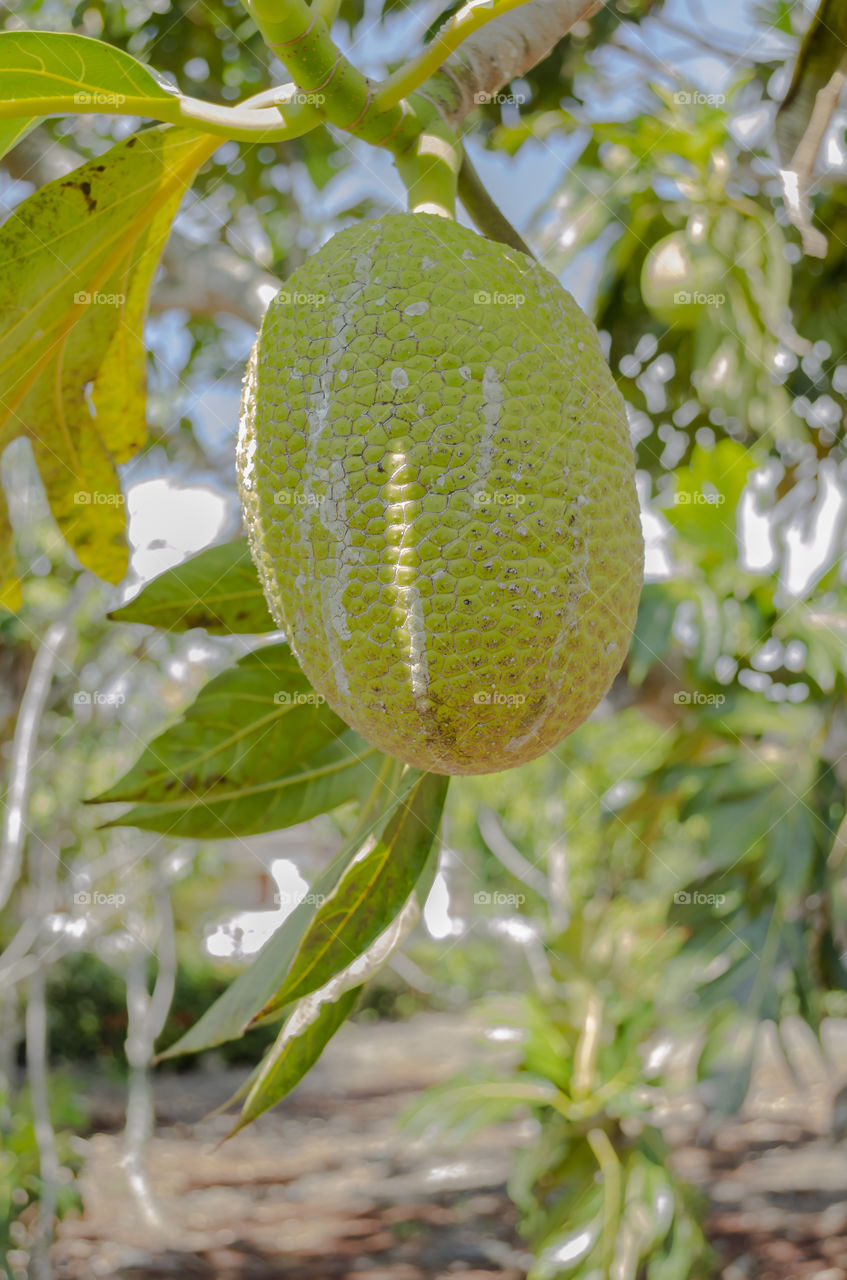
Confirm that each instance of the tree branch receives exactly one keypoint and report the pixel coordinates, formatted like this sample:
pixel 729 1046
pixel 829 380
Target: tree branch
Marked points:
pixel 503 50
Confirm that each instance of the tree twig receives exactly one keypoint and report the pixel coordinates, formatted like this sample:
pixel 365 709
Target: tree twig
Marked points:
pixel 146 1017
pixel 504 851
pixel 24 743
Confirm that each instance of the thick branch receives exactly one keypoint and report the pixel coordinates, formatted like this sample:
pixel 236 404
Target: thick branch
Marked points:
pixel 502 51
pixel 797 177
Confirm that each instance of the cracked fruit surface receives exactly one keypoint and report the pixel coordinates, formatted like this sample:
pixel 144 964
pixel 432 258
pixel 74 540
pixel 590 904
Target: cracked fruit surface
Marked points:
pixel 439 491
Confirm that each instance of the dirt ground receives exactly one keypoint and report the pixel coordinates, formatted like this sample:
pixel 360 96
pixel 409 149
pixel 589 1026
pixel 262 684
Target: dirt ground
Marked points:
pixel 329 1186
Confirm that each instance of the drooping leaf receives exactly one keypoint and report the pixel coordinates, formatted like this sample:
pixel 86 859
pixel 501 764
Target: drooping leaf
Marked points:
pixel 369 896
pixel 256 751
pixel 301 1042
pixel 218 589
pixel 42 70
pixel 76 261
pixel 241 1002
pixel 318 1015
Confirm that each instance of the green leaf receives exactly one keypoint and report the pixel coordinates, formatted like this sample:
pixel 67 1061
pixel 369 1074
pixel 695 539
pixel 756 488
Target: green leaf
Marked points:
pixel 230 1015
pixel 301 1042
pixel 369 896
pixel 651 638
pixel 218 589
pixel 707 495
pixel 76 262
pixel 60 73
pixel 11 132
pixel 48 71
pixel 257 750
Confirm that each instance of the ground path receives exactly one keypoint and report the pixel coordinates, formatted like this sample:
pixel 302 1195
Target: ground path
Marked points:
pixel 330 1187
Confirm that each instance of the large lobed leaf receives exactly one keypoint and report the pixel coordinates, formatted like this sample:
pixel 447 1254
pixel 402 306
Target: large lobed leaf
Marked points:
pixel 256 751
pixel 76 262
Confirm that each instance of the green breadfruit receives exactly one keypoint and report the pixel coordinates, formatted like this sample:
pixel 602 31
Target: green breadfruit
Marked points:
pixel 438 485
pixel 680 277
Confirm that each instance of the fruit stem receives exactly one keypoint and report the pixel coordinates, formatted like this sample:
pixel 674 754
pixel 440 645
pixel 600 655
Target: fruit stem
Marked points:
pixel 485 214
pixel 328 10
pixel 299 37
pixel 429 168
pixel 426 151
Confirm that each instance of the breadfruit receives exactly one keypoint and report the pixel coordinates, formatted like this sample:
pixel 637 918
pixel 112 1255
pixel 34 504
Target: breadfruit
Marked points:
pixel 439 491
pixel 680 277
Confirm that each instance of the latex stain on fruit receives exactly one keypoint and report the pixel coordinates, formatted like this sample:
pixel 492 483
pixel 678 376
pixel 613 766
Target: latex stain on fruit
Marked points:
pixel 438 485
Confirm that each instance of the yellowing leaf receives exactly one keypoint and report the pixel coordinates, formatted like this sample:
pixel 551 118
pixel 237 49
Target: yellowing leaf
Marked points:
pixel 76 261
pixel 10 588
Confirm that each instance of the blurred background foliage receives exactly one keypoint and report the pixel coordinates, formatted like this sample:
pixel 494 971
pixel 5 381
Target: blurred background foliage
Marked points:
pixel 676 868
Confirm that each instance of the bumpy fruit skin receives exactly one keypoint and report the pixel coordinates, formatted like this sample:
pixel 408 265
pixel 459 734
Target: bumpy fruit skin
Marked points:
pixel 438 485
